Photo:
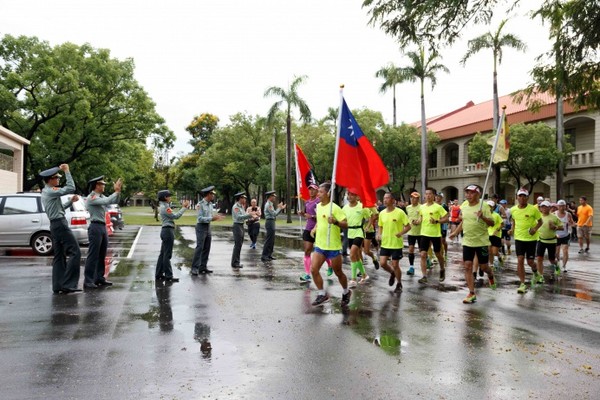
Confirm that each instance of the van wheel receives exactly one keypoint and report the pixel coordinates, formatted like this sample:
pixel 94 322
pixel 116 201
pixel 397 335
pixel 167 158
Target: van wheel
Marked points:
pixel 41 243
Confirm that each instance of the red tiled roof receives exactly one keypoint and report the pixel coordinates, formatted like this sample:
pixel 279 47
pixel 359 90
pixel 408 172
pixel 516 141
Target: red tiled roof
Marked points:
pixel 473 118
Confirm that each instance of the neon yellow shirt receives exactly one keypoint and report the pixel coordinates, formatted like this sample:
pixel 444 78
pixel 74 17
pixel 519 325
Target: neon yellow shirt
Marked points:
pixel 355 216
pixel 496 227
pixel 525 219
pixel 436 212
pixel 475 231
pixel 392 223
pixel 335 240
pixel 413 214
pixel 548 235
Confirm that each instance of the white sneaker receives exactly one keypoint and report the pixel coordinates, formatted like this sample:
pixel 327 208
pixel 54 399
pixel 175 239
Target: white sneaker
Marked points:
pixel 364 279
pixel 352 283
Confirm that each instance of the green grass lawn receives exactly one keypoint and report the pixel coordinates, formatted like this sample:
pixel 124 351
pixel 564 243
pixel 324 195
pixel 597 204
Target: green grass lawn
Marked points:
pixel 145 216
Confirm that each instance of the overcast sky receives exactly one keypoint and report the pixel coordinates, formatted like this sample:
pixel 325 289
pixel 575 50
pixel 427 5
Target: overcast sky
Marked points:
pixel 219 56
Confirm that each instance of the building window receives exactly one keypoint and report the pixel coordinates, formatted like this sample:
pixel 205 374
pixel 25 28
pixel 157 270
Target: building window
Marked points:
pixel 570 136
pixel 451 155
pixel 433 159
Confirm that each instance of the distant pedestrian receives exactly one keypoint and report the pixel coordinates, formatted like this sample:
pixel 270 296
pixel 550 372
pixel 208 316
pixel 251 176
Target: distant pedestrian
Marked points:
pixel 328 245
pixel 239 216
pixel 253 223
pixel 203 234
pixel 164 270
pixel 270 216
pixel 526 221
pixel 585 217
pixel 98 236
pixel 65 273
pixel 475 220
pixel 393 224
pixel 563 234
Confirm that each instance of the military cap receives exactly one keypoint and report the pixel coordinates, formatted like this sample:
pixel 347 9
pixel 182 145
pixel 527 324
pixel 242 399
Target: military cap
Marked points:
pixel 270 193
pixel 207 190
pixel 49 173
pixel 92 182
pixel 240 194
pixel 163 194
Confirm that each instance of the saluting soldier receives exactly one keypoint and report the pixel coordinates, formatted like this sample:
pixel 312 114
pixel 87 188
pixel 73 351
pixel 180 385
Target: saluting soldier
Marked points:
pixel 203 235
pixel 93 274
pixel 239 214
pixel 270 215
pixel 164 271
pixel 65 274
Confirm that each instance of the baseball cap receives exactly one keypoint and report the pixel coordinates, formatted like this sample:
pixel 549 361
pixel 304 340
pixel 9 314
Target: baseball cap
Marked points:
pixel 473 188
pixel 313 186
pixel 491 203
pixel 415 194
pixel 523 192
pixel 545 203
pixel 503 201
pixel 561 203
pixel 540 198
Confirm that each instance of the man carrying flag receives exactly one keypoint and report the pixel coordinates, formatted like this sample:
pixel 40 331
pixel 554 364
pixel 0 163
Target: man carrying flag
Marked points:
pixel 358 167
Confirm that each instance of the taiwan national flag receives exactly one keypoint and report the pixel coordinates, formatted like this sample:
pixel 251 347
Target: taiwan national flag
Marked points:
pixel 359 168
pixel 305 175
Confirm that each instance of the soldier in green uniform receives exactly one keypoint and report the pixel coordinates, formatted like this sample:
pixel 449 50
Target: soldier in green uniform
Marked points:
pixel 65 273
pixel 239 215
pixel 270 215
pixel 164 271
pixel 93 274
pixel 203 235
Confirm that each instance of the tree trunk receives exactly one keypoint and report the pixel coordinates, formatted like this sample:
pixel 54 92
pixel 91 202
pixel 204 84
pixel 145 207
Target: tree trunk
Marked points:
pixel 496 168
pixel 273 161
pixel 288 167
pixel 394 91
pixel 423 144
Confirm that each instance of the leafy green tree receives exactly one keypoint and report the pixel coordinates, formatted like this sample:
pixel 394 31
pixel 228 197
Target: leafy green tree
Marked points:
pixel 423 67
pixel 391 77
pixel 494 41
pixel 76 105
pixel 201 128
pixel 290 98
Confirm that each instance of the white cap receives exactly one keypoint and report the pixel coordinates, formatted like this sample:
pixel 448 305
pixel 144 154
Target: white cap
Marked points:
pixel 540 198
pixel 561 203
pixel 491 203
pixel 523 191
pixel 545 203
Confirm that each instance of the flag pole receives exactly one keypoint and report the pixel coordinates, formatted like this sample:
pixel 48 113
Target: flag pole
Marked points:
pixel 297 183
pixel 489 170
pixel 335 158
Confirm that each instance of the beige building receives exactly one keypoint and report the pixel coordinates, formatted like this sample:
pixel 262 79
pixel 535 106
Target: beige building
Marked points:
pixel 451 170
pixel 11 164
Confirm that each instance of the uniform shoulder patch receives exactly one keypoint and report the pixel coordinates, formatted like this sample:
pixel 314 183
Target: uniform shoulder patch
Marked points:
pixel 236 209
pixel 169 211
pixel 93 197
pixel 55 188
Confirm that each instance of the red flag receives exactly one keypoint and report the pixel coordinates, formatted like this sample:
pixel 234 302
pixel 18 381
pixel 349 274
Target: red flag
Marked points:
pixel 304 173
pixel 359 168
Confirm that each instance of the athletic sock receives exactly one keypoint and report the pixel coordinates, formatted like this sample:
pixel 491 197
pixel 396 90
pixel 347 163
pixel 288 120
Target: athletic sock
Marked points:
pixel 354 266
pixel 361 268
pixel 307 264
pixel 411 258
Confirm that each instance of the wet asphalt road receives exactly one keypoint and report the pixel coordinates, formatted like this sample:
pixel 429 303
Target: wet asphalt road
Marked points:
pixel 252 333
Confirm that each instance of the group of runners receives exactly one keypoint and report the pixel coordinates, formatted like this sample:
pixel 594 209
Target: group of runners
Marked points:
pixel 483 227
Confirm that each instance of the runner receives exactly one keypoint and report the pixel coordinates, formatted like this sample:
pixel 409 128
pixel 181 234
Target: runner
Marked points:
pixel 414 234
pixel 495 231
pixel 454 218
pixel 431 215
pixel 475 221
pixel 526 221
pixel 370 242
pixel 585 216
pixel 328 245
pixel 563 234
pixel 439 198
pixel 355 215
pixel 310 209
pixel 547 240
pixel 393 224
pixel 505 228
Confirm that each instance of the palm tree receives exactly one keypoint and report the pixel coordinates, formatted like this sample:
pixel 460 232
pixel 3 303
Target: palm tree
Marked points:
pixel 391 77
pixel 422 68
pixel 291 99
pixel 495 41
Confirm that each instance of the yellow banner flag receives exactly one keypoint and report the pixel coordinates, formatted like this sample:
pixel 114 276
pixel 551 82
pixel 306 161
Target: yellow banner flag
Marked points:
pixel 503 146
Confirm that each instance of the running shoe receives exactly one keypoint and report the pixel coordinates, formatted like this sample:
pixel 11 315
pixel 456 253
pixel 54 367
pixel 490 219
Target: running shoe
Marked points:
pixel 423 280
pixel 392 280
pixel 305 278
pixel 470 299
pixel 376 264
pixel 493 284
pixel 496 264
pixel 587 249
pixel 428 263
pixel 363 279
pixel 556 270
pixel 580 251
pixel 398 288
pixel 352 283
pixel 321 299
pixel 522 288
pixel 346 298
pixel 564 271
pixel 411 270
pixel 479 283
pixel 329 271
pixel 442 275
pixel 539 278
